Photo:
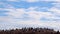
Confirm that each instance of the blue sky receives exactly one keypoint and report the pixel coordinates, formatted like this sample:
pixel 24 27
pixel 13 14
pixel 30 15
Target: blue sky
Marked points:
pixel 22 13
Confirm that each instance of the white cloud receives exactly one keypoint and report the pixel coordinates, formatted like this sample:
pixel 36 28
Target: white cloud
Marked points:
pixel 54 10
pixel 17 13
pixel 31 0
pixel 57 5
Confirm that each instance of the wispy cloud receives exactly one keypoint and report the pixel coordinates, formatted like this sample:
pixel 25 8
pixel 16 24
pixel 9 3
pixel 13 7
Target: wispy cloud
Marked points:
pixel 33 15
pixel 16 16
